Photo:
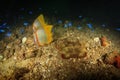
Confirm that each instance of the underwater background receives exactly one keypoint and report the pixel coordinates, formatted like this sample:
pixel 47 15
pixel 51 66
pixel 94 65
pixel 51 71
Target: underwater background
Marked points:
pixel 59 40
pixel 104 11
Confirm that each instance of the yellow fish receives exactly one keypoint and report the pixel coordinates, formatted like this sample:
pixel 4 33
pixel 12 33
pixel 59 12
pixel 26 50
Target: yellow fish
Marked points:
pixel 42 32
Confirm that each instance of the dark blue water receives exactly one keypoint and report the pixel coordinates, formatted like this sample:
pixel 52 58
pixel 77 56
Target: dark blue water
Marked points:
pixel 24 12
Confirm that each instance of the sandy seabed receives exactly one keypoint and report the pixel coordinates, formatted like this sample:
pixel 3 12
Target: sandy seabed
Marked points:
pixel 73 55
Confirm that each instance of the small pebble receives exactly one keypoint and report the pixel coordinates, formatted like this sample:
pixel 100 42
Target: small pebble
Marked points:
pixel 96 39
pixel 88 48
pixel 24 39
pixel 1 57
pixel 15 58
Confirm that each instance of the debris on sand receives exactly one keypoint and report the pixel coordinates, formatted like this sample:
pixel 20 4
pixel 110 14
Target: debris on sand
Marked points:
pixel 112 58
pixel 74 54
pixel 72 48
pixel 117 61
pixel 104 41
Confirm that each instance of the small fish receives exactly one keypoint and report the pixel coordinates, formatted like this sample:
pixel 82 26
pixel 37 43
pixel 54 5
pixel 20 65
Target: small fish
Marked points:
pixel 8 34
pixel 90 26
pixel 80 16
pixel 79 27
pixel 69 24
pixel 30 12
pixel 118 29
pixel 103 25
pixel 25 23
pixel 65 25
pixel 59 21
pixel 4 24
pixel 2 31
pixel 42 32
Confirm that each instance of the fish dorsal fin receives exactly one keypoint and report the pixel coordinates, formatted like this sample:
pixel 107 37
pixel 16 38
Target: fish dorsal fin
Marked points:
pixel 47 28
pixel 41 19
